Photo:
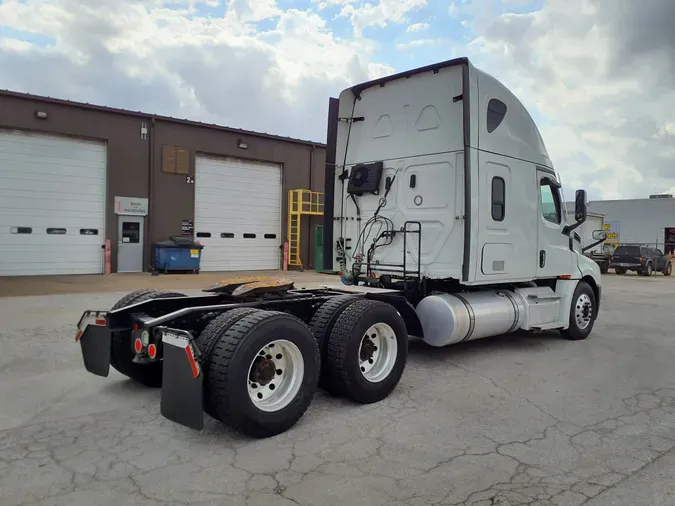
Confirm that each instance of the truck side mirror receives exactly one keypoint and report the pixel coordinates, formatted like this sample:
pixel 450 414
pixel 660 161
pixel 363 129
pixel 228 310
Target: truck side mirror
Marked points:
pixel 599 235
pixel 580 206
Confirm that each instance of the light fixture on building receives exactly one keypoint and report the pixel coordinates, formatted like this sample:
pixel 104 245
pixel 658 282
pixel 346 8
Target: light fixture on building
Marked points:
pixel 242 144
pixel 41 114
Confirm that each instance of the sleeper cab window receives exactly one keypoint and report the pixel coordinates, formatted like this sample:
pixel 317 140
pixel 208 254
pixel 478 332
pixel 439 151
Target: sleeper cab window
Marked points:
pixel 550 203
pixel 496 110
pixel 498 198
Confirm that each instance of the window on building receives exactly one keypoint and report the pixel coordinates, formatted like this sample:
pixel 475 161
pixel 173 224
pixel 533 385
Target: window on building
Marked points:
pixel 175 160
pixel 88 231
pixel 270 236
pixel 498 198
pixel 550 203
pixel 227 235
pixel 131 232
pixel 249 236
pixel 496 110
pixel 56 231
pixel 21 230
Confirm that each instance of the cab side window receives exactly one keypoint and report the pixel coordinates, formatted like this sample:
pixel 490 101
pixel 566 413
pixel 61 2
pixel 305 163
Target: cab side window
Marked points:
pixel 550 203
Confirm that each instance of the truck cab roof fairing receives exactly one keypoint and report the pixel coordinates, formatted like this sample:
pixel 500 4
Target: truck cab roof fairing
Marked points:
pixel 517 135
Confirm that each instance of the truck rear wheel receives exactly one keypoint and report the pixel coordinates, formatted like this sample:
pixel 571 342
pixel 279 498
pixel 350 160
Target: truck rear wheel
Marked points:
pixel 668 269
pixel 367 351
pixel 263 373
pixel 207 340
pixel 121 348
pixel 582 313
pixel 321 326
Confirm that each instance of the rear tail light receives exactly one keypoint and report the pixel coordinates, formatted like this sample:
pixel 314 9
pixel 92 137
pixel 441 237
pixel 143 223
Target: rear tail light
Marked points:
pixel 138 345
pixel 152 351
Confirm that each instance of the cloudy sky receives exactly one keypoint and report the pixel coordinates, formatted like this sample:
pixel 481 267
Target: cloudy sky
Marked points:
pixel 598 75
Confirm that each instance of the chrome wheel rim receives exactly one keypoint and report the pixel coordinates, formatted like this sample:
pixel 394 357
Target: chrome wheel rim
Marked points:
pixel 377 352
pixel 275 375
pixel 583 311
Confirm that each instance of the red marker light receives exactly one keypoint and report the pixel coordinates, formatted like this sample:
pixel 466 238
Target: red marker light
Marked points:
pixel 100 321
pixel 138 345
pixel 152 351
pixel 136 327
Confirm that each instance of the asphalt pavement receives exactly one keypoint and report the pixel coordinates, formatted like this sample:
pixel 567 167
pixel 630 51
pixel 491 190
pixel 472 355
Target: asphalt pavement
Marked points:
pixel 522 419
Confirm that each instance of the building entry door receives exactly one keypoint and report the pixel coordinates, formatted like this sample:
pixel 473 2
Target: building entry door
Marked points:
pixel 130 243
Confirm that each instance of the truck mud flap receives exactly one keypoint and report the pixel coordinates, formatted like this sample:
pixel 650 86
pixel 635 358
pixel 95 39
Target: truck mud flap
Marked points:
pixel 93 334
pixel 182 379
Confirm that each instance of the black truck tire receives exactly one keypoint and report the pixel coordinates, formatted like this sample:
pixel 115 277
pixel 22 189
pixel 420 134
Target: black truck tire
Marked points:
pixel 246 375
pixel 668 269
pixel 121 349
pixel 367 351
pixel 583 305
pixel 207 340
pixel 321 326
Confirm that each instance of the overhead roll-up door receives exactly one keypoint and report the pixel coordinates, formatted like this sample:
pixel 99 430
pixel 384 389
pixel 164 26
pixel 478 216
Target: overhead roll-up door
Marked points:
pixel 238 213
pixel 52 204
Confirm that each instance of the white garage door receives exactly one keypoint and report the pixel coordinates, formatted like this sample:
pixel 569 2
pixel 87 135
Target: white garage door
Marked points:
pixel 238 214
pixel 52 204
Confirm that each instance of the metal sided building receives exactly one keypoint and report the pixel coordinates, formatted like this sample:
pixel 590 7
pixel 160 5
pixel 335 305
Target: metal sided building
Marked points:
pixel 649 221
pixel 73 175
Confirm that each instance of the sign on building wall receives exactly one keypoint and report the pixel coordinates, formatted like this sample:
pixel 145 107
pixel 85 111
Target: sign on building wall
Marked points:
pixel 131 206
pixel 612 229
pixel 187 227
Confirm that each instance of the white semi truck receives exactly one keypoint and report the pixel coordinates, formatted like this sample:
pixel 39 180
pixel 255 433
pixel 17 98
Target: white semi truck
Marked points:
pixel 447 220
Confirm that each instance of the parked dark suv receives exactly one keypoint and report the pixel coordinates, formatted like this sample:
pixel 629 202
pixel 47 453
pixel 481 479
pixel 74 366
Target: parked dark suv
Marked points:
pixel 642 259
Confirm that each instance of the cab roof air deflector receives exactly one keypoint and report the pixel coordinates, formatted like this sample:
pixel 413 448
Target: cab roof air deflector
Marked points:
pixel 359 88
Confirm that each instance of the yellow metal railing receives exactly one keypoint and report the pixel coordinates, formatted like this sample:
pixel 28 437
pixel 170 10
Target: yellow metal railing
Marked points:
pixel 300 203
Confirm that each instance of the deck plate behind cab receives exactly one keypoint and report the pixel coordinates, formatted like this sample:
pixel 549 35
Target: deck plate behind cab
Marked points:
pixel 251 285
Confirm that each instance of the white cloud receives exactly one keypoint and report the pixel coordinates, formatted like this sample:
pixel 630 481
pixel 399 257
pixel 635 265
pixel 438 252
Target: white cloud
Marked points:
pixel 417 27
pixel 607 113
pixel 420 43
pixel 142 55
pixel 254 10
pixel 381 15
pixel 325 4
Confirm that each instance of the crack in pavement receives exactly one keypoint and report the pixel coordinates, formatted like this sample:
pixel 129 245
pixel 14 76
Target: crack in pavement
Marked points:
pixel 156 463
pixel 448 435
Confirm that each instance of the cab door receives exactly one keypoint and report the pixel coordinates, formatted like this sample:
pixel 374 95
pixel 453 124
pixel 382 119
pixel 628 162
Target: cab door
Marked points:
pixel 554 256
